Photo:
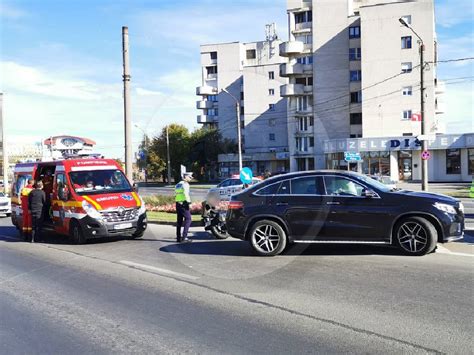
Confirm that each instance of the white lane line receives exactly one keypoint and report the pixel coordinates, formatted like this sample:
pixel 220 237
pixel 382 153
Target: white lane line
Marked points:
pixel 443 250
pixel 157 269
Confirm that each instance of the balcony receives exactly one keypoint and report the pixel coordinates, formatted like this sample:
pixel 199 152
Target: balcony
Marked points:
pixel 206 119
pixel 308 151
pixel 440 87
pixel 287 69
pixel 204 104
pixel 308 68
pixel 308 89
pixel 206 90
pixel 291 90
pixel 291 48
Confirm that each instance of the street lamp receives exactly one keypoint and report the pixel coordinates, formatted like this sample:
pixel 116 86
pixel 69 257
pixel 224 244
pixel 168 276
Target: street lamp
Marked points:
pixel 145 151
pixel 424 142
pixel 239 137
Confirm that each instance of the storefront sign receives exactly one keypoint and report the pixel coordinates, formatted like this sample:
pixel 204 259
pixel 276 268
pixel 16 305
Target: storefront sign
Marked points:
pixel 348 156
pixel 446 141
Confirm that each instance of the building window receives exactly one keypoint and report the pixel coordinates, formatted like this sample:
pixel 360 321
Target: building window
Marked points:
pixel 407 19
pixel 356 135
pixel 406 67
pixel 271 107
pixel 407 134
pixel 271 92
pixel 355 118
pixel 304 123
pixel 406 116
pixel 407 91
pixel 304 81
pixel 271 122
pixel 271 136
pixel 303 103
pixel 354 32
pixel 212 112
pixel 271 75
pixel 354 54
pixel 301 17
pixel 211 72
pixel 356 97
pixel 406 42
pixel 305 60
pixel 212 98
pixel 355 75
pixel 242 110
pixel 470 161
pixel 251 54
pixel 453 161
pixel 213 55
pixel 307 39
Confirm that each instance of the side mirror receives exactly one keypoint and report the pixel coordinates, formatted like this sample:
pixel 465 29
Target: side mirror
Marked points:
pixel 369 193
pixel 64 194
pixel 135 187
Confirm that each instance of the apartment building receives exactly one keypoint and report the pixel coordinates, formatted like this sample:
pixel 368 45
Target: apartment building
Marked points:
pixel 247 73
pixel 354 79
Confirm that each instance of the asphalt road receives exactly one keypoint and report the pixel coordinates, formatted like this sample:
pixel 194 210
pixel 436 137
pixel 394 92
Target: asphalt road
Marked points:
pixel 209 296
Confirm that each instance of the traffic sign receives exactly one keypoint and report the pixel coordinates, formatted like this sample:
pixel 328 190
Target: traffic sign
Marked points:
pixel 246 175
pixel 425 155
pixel 349 156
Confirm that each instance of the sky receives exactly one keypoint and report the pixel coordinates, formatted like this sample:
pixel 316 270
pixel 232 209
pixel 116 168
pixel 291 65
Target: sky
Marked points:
pixel 61 62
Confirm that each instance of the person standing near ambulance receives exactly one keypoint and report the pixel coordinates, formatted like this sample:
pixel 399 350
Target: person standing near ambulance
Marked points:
pixel 183 201
pixel 26 227
pixel 36 201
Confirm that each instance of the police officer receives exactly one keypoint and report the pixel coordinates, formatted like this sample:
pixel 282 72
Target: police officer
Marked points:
pixel 183 200
pixel 36 201
pixel 26 225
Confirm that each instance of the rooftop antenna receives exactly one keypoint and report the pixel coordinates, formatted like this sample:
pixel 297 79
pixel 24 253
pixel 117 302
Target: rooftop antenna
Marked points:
pixel 270 36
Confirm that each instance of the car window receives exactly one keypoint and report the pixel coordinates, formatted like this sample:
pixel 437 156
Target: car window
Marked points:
pixel 339 186
pixel 224 183
pixel 305 186
pixel 269 190
pixel 235 182
pixel 284 188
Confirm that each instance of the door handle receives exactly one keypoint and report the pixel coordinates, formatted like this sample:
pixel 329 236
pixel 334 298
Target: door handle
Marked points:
pixel 333 203
pixel 282 204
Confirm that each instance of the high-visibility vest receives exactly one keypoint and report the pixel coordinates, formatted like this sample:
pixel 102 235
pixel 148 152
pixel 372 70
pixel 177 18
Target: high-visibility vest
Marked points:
pixel 179 191
pixel 26 190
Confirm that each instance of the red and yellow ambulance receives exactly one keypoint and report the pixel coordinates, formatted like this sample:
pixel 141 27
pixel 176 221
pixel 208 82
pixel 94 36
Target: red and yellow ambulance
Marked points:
pixel 85 198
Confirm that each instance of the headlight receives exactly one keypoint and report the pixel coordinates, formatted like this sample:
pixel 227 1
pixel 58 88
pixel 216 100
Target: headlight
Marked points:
pixel 445 208
pixel 91 210
pixel 142 209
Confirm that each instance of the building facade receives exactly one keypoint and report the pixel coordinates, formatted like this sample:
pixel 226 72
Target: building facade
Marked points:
pixel 249 73
pixel 354 72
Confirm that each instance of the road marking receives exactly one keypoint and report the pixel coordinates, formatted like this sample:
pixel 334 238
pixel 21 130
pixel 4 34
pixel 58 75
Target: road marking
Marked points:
pixel 157 269
pixel 443 250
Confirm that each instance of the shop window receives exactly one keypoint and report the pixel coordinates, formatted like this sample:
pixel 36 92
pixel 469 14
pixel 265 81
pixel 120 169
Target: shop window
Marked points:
pixel 470 161
pixel 453 161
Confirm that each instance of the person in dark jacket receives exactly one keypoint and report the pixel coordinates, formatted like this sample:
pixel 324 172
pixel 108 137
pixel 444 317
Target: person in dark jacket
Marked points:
pixel 36 201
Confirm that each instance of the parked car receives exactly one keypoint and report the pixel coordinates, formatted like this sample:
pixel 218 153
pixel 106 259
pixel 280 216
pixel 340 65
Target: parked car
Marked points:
pixel 5 205
pixel 386 180
pixel 341 207
pixel 224 190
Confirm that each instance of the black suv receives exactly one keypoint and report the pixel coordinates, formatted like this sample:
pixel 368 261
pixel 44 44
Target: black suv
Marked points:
pixel 341 207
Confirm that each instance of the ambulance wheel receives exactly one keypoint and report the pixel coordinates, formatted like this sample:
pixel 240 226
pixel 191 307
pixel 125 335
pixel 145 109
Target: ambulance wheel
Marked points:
pixel 76 234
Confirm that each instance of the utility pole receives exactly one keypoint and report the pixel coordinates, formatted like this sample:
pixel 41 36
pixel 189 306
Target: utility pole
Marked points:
pixel 239 134
pixel 126 105
pixel 168 154
pixel 4 148
pixel 424 142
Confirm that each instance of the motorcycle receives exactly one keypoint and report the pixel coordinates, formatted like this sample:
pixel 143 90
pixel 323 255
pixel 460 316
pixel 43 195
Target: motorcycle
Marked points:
pixel 214 221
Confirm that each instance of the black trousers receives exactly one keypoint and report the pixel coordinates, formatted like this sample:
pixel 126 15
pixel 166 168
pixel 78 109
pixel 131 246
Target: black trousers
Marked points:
pixel 37 224
pixel 184 215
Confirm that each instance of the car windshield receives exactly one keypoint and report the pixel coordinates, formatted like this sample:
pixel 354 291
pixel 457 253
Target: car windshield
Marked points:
pixel 99 181
pixel 2 194
pixel 374 183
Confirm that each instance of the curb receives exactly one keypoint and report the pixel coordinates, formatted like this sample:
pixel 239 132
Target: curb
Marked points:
pixel 166 223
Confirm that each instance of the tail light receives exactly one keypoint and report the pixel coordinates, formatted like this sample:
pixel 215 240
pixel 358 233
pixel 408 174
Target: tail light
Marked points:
pixel 235 205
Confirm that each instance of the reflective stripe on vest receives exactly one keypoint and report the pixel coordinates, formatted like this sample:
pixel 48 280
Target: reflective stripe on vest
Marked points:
pixel 179 191
pixel 26 191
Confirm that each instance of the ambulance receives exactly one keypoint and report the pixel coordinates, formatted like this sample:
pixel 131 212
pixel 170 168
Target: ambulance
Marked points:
pixel 85 198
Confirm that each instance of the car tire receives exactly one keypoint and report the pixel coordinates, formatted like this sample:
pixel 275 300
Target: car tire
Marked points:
pixel 267 238
pixel 137 235
pixel 76 234
pixel 415 236
pixel 219 233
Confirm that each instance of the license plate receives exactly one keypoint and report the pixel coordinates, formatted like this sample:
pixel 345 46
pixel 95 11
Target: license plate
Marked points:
pixel 123 226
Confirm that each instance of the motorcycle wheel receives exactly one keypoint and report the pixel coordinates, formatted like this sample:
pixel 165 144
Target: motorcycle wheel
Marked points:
pixel 219 232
